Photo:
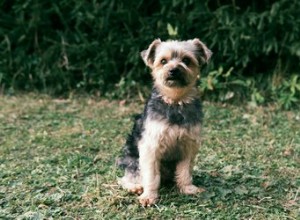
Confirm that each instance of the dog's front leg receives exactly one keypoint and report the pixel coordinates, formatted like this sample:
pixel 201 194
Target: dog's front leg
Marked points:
pixel 149 167
pixel 184 171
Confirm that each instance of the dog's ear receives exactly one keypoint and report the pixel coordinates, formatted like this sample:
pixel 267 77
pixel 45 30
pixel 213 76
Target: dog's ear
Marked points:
pixel 149 54
pixel 203 53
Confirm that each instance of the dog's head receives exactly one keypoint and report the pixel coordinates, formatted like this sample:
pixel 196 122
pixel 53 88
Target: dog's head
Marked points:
pixel 176 64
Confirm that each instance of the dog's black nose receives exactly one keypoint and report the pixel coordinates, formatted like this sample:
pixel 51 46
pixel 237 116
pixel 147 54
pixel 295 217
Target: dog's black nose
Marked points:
pixel 174 72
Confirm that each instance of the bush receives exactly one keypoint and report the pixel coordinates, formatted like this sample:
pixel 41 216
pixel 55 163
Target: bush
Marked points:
pixel 62 46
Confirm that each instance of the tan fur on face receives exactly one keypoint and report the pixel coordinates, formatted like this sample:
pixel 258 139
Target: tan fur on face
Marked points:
pixel 174 53
pixel 160 72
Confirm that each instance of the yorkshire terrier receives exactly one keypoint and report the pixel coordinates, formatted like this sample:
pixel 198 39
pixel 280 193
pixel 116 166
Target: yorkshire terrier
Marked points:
pixel 165 138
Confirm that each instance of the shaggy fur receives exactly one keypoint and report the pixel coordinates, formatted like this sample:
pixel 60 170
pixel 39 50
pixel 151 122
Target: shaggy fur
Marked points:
pixel 165 138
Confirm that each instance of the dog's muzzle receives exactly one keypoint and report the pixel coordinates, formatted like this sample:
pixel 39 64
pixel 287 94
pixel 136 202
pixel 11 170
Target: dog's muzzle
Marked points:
pixel 175 78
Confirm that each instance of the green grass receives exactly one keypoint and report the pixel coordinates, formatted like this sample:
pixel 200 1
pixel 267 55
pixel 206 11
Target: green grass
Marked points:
pixel 57 160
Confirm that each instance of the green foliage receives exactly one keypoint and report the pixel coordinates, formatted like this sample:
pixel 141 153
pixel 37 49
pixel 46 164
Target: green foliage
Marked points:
pixel 62 46
pixel 288 93
pixel 220 85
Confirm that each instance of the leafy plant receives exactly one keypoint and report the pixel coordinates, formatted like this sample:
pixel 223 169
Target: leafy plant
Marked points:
pixel 223 86
pixel 288 92
pixel 61 46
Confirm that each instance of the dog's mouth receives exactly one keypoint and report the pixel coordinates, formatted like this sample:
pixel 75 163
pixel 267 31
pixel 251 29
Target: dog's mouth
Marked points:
pixel 175 81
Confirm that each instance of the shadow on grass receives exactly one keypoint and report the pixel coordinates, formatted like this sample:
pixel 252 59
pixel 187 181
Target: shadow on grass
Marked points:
pixel 234 189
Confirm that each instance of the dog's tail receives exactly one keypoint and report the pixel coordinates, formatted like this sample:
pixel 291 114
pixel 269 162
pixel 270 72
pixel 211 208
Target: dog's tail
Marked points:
pixel 130 158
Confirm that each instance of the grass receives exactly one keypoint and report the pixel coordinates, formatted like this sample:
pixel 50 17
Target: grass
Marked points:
pixel 57 161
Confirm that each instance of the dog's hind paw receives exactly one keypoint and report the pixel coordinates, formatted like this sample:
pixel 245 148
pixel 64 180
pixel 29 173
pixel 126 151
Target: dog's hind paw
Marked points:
pixel 136 190
pixel 191 190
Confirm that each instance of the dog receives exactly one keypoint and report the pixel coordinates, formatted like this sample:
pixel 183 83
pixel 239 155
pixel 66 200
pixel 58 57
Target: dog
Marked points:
pixel 165 138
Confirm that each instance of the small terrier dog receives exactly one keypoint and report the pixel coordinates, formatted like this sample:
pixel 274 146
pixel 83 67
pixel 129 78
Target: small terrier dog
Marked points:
pixel 165 137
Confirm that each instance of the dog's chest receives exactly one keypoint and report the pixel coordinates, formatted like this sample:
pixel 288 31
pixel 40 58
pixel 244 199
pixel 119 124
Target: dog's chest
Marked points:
pixel 166 139
pixel 184 115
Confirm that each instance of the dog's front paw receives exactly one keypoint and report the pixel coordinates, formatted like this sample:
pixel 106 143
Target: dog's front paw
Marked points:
pixel 191 189
pixel 148 199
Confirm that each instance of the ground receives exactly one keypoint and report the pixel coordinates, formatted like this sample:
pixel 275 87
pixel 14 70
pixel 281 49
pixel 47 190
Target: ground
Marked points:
pixel 57 160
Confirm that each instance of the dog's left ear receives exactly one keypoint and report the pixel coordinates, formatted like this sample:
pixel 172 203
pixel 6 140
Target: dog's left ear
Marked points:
pixel 203 53
pixel 149 54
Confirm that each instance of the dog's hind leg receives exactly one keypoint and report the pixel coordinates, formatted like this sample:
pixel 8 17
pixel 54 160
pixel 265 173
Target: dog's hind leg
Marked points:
pixel 132 182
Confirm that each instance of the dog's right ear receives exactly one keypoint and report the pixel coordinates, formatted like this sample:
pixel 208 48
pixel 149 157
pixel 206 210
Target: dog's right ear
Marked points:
pixel 203 52
pixel 149 54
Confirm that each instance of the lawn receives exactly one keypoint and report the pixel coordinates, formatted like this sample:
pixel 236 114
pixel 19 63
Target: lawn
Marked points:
pixel 57 161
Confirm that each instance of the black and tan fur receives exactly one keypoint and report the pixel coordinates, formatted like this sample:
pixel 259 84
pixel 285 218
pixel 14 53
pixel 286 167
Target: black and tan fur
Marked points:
pixel 165 138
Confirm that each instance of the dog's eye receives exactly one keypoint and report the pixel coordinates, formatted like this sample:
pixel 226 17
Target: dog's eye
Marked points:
pixel 163 61
pixel 186 61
